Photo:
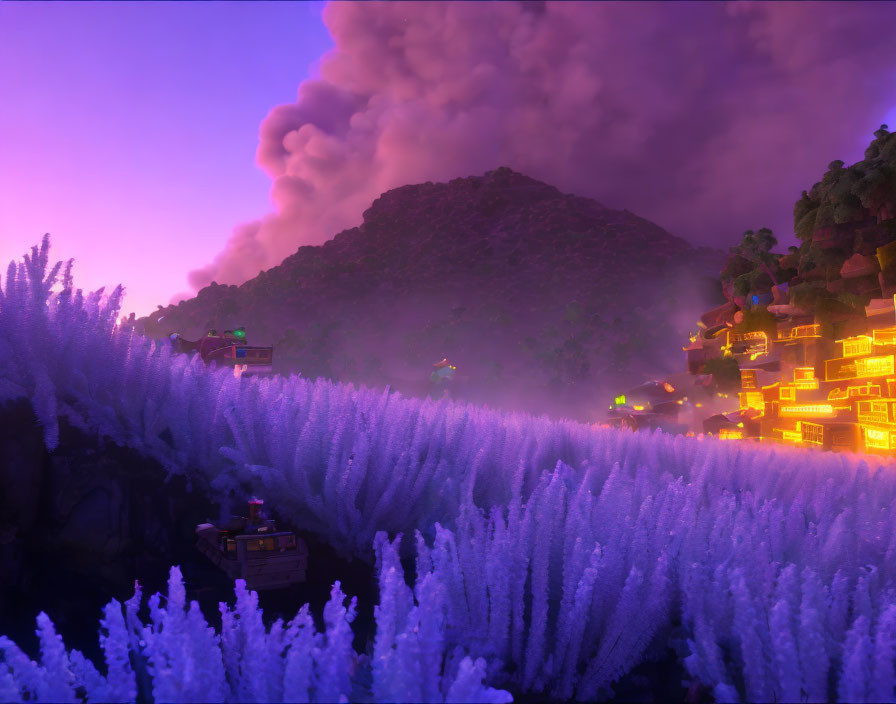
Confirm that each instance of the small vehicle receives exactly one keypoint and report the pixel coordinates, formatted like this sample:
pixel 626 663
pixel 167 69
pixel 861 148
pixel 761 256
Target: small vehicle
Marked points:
pixel 253 549
pixel 230 350
pixel 654 404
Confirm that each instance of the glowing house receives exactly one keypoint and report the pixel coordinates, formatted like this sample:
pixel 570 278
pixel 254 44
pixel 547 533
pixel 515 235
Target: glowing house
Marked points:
pixel 838 395
pixel 803 387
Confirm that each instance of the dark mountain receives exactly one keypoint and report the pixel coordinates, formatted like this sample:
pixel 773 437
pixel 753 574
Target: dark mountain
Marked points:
pixel 544 301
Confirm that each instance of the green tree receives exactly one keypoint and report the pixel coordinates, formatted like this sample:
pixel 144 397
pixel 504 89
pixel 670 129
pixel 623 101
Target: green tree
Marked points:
pixel 752 265
pixel 846 194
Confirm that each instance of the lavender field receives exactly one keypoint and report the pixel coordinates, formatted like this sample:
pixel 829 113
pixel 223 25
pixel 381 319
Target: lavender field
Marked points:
pixel 551 557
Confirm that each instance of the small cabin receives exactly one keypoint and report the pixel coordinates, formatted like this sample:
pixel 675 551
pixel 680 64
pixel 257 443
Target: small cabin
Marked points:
pixel 251 548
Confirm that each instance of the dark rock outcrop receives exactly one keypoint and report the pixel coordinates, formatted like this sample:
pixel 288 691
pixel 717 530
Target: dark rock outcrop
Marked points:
pixel 80 524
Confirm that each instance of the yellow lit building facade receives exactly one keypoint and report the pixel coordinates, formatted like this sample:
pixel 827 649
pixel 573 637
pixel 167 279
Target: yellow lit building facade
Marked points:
pixel 804 389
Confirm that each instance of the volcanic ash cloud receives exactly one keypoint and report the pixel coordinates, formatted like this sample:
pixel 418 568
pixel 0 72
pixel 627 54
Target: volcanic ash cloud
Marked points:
pixel 707 118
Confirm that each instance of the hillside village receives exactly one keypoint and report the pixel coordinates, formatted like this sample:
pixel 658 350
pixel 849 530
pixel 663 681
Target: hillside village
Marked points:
pixel 809 337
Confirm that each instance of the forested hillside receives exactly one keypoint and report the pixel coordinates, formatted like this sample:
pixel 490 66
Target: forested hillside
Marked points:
pixel 545 302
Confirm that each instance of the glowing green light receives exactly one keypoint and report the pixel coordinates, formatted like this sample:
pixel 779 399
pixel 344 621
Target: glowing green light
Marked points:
pixel 619 400
pixel 239 333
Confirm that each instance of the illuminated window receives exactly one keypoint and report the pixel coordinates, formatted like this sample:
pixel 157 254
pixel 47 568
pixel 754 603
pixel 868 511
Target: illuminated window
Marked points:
pixel 855 346
pixel 812 433
pixel 790 435
pixel 877 439
pixel 874 366
pixel 805 331
pixel 752 399
pixel 858 391
pixel 839 369
pixel 809 409
pixel 866 390
pixel 875 411
pixel 748 378
pixel 804 378
pixel 885 337
pixel 787 393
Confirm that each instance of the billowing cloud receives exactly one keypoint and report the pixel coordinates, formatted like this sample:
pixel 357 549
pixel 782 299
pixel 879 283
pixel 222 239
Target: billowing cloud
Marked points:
pixel 706 118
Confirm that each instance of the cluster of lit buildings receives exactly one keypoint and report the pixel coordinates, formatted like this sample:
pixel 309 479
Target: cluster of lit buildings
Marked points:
pixel 798 386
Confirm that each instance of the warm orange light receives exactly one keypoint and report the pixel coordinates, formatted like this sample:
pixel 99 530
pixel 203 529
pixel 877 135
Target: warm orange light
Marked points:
pixel 866 390
pixel 790 435
pixel 809 409
pixel 887 336
pixel 804 378
pixel 757 342
pixel 800 331
pixel 855 346
pixel 877 439
pixel 812 433
pixel 839 369
pixel 858 368
pixel 876 411
pixel 874 366
pixel 730 434
pixel 752 399
pixel 668 387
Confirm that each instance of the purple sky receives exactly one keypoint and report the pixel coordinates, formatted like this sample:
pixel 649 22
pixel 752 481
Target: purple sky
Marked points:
pixel 129 131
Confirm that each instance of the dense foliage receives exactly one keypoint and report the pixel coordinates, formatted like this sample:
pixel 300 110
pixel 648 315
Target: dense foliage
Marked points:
pixel 178 657
pixel 853 197
pixel 751 265
pixel 564 554
pixel 846 194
